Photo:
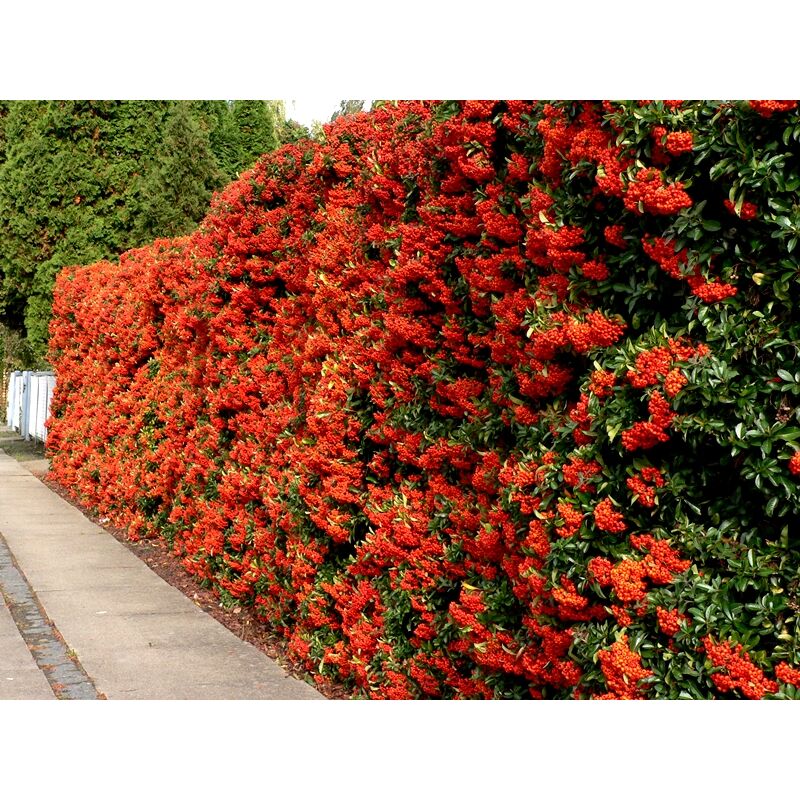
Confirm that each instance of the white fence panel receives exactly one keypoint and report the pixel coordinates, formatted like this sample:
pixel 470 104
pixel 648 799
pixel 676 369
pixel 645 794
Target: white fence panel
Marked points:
pixel 47 383
pixel 20 401
pixel 28 405
pixel 11 399
pixel 31 404
pixel 19 389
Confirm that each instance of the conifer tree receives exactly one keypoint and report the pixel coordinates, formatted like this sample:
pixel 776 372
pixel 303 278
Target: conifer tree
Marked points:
pixel 179 188
pixel 216 118
pixel 255 121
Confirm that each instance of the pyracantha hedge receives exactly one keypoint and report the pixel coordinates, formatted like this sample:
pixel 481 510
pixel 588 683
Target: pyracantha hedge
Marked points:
pixel 480 399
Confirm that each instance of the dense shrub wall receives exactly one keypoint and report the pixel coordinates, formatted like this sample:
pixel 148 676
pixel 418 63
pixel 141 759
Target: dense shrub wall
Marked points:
pixel 482 399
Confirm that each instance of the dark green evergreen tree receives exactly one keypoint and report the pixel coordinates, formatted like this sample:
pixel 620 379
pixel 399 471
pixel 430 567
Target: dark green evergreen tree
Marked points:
pixel 226 143
pixel 179 188
pixel 20 237
pixel 255 121
pixel 216 117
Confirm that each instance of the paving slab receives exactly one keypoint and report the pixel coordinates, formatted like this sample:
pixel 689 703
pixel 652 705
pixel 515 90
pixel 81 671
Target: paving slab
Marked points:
pixel 135 636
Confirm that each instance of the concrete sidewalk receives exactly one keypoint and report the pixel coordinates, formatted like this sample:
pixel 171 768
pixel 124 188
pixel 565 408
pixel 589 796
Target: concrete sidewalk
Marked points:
pixel 134 635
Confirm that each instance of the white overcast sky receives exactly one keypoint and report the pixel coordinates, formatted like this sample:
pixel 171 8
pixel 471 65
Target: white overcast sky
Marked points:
pixel 309 110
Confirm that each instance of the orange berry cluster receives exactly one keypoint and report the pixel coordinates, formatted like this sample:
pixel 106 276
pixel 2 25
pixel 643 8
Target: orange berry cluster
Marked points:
pixel 602 382
pixel 572 606
pixel 670 621
pixel 794 463
pixel 747 211
pixel 557 138
pixel 655 197
pixel 669 144
pixel 572 519
pixel 710 291
pixel 622 669
pixel 769 107
pixel 580 415
pixel 651 365
pixel 663 253
pixel 627 580
pixel 577 473
pixel 644 435
pixel 614 235
pixel 739 671
pixel 596 331
pixel 594 270
pixel 607 519
pixel 627 577
pixel 674 382
pixel 661 561
pixel 622 617
pixel 568 596
pixel 787 674
pixel 600 569
pixel 643 486
pixel 679 142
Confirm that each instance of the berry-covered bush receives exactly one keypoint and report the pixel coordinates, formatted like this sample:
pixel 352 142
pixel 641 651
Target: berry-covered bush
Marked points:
pixel 480 399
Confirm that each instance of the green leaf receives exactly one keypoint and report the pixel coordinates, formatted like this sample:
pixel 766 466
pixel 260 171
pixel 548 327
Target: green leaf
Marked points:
pixel 771 506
